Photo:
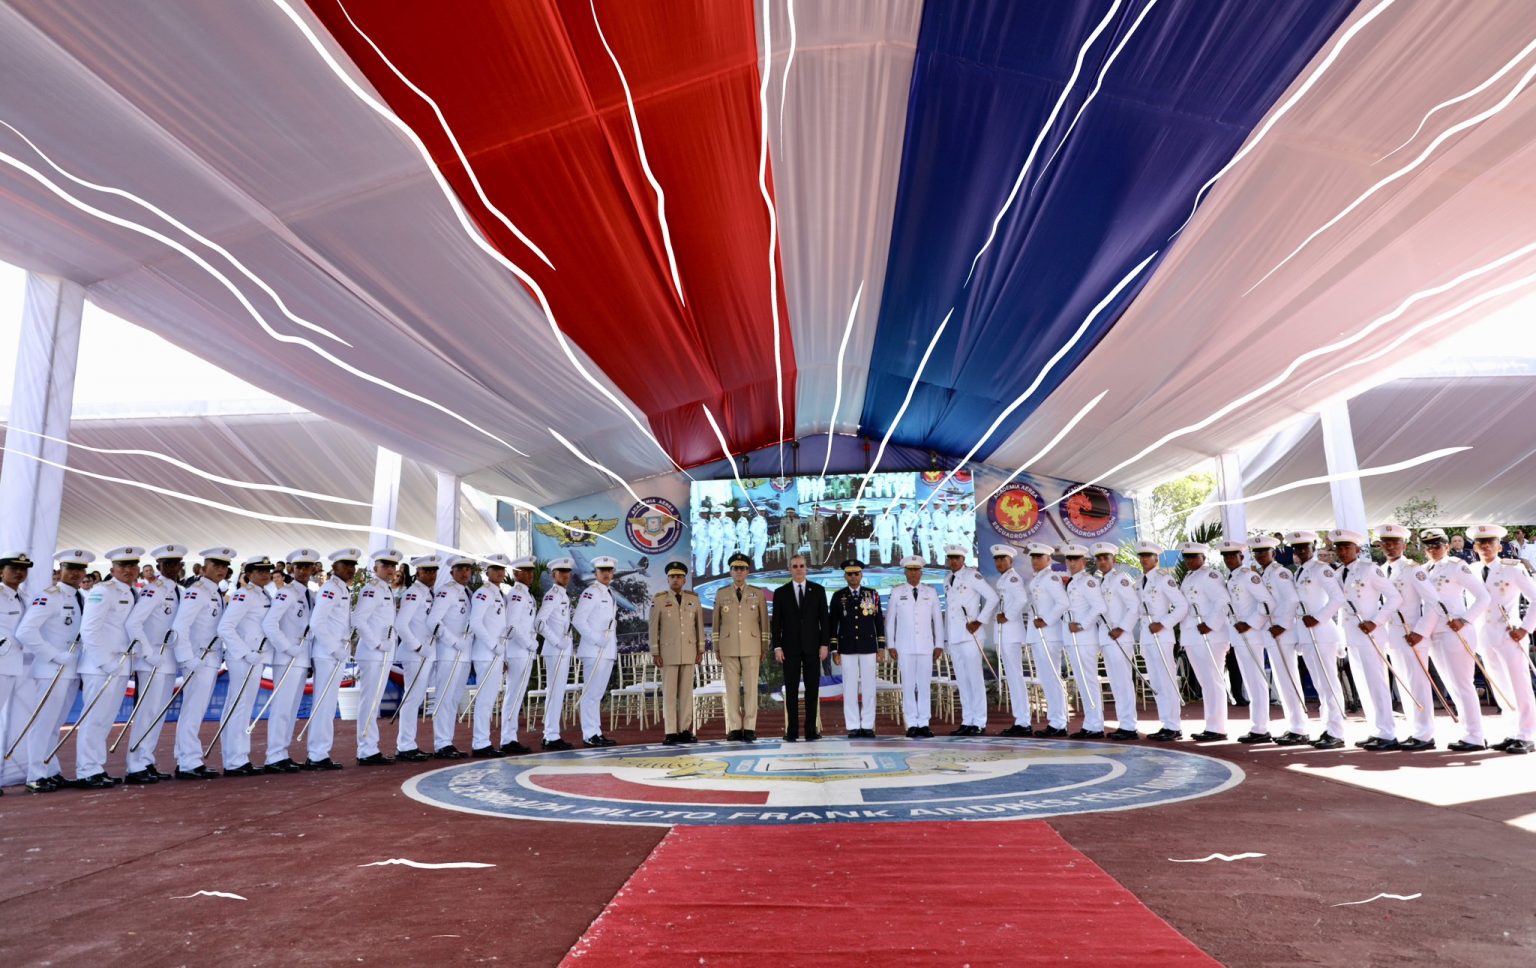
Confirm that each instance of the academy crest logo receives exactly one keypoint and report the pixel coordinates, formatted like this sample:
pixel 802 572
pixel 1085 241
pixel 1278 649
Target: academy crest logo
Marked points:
pixel 1015 512
pixel 865 781
pixel 1091 512
pixel 654 525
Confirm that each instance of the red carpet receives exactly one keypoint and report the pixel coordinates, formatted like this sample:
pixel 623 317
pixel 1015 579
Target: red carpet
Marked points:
pixel 1004 894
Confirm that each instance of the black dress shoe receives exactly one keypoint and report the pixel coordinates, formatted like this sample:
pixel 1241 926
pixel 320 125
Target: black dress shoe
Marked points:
pixel 100 781
pixel 412 756
pixel 554 745
pixel 960 731
pixel 152 771
pixel 791 738
pixel 45 785
pixel 1206 736
pixel 1361 743
pixel 1017 729
pixel 325 764
pixel 812 737
pixel 1500 744
pixel 1415 745
pixel 1385 746
pixel 197 773
pixel 1462 746
pixel 748 736
pixel 979 730
pixel 450 752
pixel 1293 739
pixel 669 740
pixel 593 741
pixel 1252 737
pixel 734 736
pixel 376 759
pixel 279 766
pixel 869 734
pixel 924 732
pixel 1328 741
pixel 140 778
pixel 1166 736
pixel 1051 732
pixel 911 732
pixel 686 736
pixel 482 753
pixel 1124 735
pixel 1087 734
pixel 514 748
pixel 855 734
pixel 244 769
pixel 1519 747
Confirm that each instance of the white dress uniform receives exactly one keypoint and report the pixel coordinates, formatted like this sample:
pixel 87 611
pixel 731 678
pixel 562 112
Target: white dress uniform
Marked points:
pixel 554 625
pixel 488 624
pixel 1505 659
pixel 1252 604
pixel 596 618
pixel 1284 613
pixel 286 626
pixel 759 529
pixel 455 645
pixel 1047 605
pixel 914 627
pixel 522 646
pixel 374 618
pixel 106 658
pixel 1161 601
pixel 1208 601
pixel 330 627
pixel 968 598
pixel 1013 605
pixel 698 537
pixel 1085 606
pixel 744 535
pixel 49 635
pixel 246 652
pixel 1318 594
pixel 880 539
pixel 154 660
pixel 1419 614
pixel 415 652
pixel 906 525
pixel 1458 594
pixel 1121 604
pixel 15 686
pixel 196 641
pixel 1368 597
pixel 933 525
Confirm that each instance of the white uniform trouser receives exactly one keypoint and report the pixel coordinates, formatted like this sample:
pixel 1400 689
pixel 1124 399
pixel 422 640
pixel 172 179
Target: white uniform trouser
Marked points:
pixel 1122 683
pixel 558 673
pixel 322 709
pixel 1083 657
pixel 452 678
pixel 284 709
pixel 1250 662
pixel 91 736
pixel 596 673
pixel 372 679
pixel 519 665
pixel 1010 655
pixel 1282 660
pixel 195 693
pixel 1456 669
pixel 1410 664
pixel 239 704
pixel 50 719
pixel 1322 664
pixel 965 656
pixel 1371 679
pixel 759 545
pixel 1208 657
pixel 488 681
pixel 858 690
pixel 416 680
pixel 1506 663
pixel 861 548
pixel 152 692
pixel 1047 664
pixel 1158 651
pixel 915 666
pixel 15 707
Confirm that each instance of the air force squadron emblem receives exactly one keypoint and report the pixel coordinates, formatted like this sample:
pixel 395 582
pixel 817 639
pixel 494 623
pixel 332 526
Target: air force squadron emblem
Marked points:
pixel 830 781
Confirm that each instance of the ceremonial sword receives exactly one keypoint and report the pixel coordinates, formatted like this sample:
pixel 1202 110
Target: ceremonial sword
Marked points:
pixel 1077 656
pixel 43 701
pixel 196 667
pixel 1129 661
pixel 1425 669
pixel 277 687
pixel 1384 660
pixel 330 681
pixel 229 706
pixel 1322 667
pixel 142 694
pixel 419 670
pixel 92 704
pixel 1219 669
pixel 1523 647
pixel 1290 671
pixel 1504 702
pixel 1158 646
pixel 1256 657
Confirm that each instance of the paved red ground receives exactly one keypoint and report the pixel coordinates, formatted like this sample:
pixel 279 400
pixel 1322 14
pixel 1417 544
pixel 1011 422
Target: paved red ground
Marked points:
pixel 90 877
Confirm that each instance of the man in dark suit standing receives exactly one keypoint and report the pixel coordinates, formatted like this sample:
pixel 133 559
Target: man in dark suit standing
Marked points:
pixel 801 635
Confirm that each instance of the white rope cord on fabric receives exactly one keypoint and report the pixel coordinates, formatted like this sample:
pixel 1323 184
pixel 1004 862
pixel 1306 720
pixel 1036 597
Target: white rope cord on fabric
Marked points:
pixel 1050 446
pixel 1464 95
pixel 726 449
pixel 599 467
pixel 773 226
pixel 837 399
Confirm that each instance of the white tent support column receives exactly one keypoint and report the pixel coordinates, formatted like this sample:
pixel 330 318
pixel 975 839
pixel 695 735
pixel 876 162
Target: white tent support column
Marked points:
pixel 448 487
pixel 32 492
pixel 1229 487
pixel 386 499
pixel 1339 452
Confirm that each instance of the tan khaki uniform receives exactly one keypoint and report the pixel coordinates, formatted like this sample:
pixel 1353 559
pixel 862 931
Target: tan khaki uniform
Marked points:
pixel 741 641
pixel 677 640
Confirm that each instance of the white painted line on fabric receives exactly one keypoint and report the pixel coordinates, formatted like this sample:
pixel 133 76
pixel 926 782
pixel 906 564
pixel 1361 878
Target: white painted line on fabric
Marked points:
pixel 1222 857
pixel 1458 99
pixel 224 894
pixel 420 865
pixel 837 399
pixel 1381 897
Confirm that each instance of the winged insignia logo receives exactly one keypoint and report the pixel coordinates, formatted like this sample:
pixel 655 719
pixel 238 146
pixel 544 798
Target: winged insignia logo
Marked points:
pixel 578 532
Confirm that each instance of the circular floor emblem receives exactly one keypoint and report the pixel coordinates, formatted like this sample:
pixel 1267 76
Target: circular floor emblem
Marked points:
pixel 829 781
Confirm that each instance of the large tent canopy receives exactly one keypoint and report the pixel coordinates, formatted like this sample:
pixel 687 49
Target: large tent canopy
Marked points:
pixel 649 228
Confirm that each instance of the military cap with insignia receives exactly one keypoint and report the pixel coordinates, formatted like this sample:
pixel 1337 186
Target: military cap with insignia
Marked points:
pixel 16 559
pixel 127 554
pixel 740 559
pixel 603 561
pixel 303 556
pixel 562 564
pixel 912 561
pixel 77 557
pixel 426 561
pixel 169 552
pixel 676 568
pixel 852 564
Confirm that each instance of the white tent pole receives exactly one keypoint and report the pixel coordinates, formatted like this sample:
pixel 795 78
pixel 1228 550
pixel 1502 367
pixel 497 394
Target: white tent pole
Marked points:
pixel 1229 487
pixel 386 498
pixel 31 492
pixel 447 509
pixel 1339 451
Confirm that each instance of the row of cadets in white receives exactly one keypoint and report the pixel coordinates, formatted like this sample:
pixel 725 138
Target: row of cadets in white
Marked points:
pixel 104 662
pixel 596 619
pixel 914 630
